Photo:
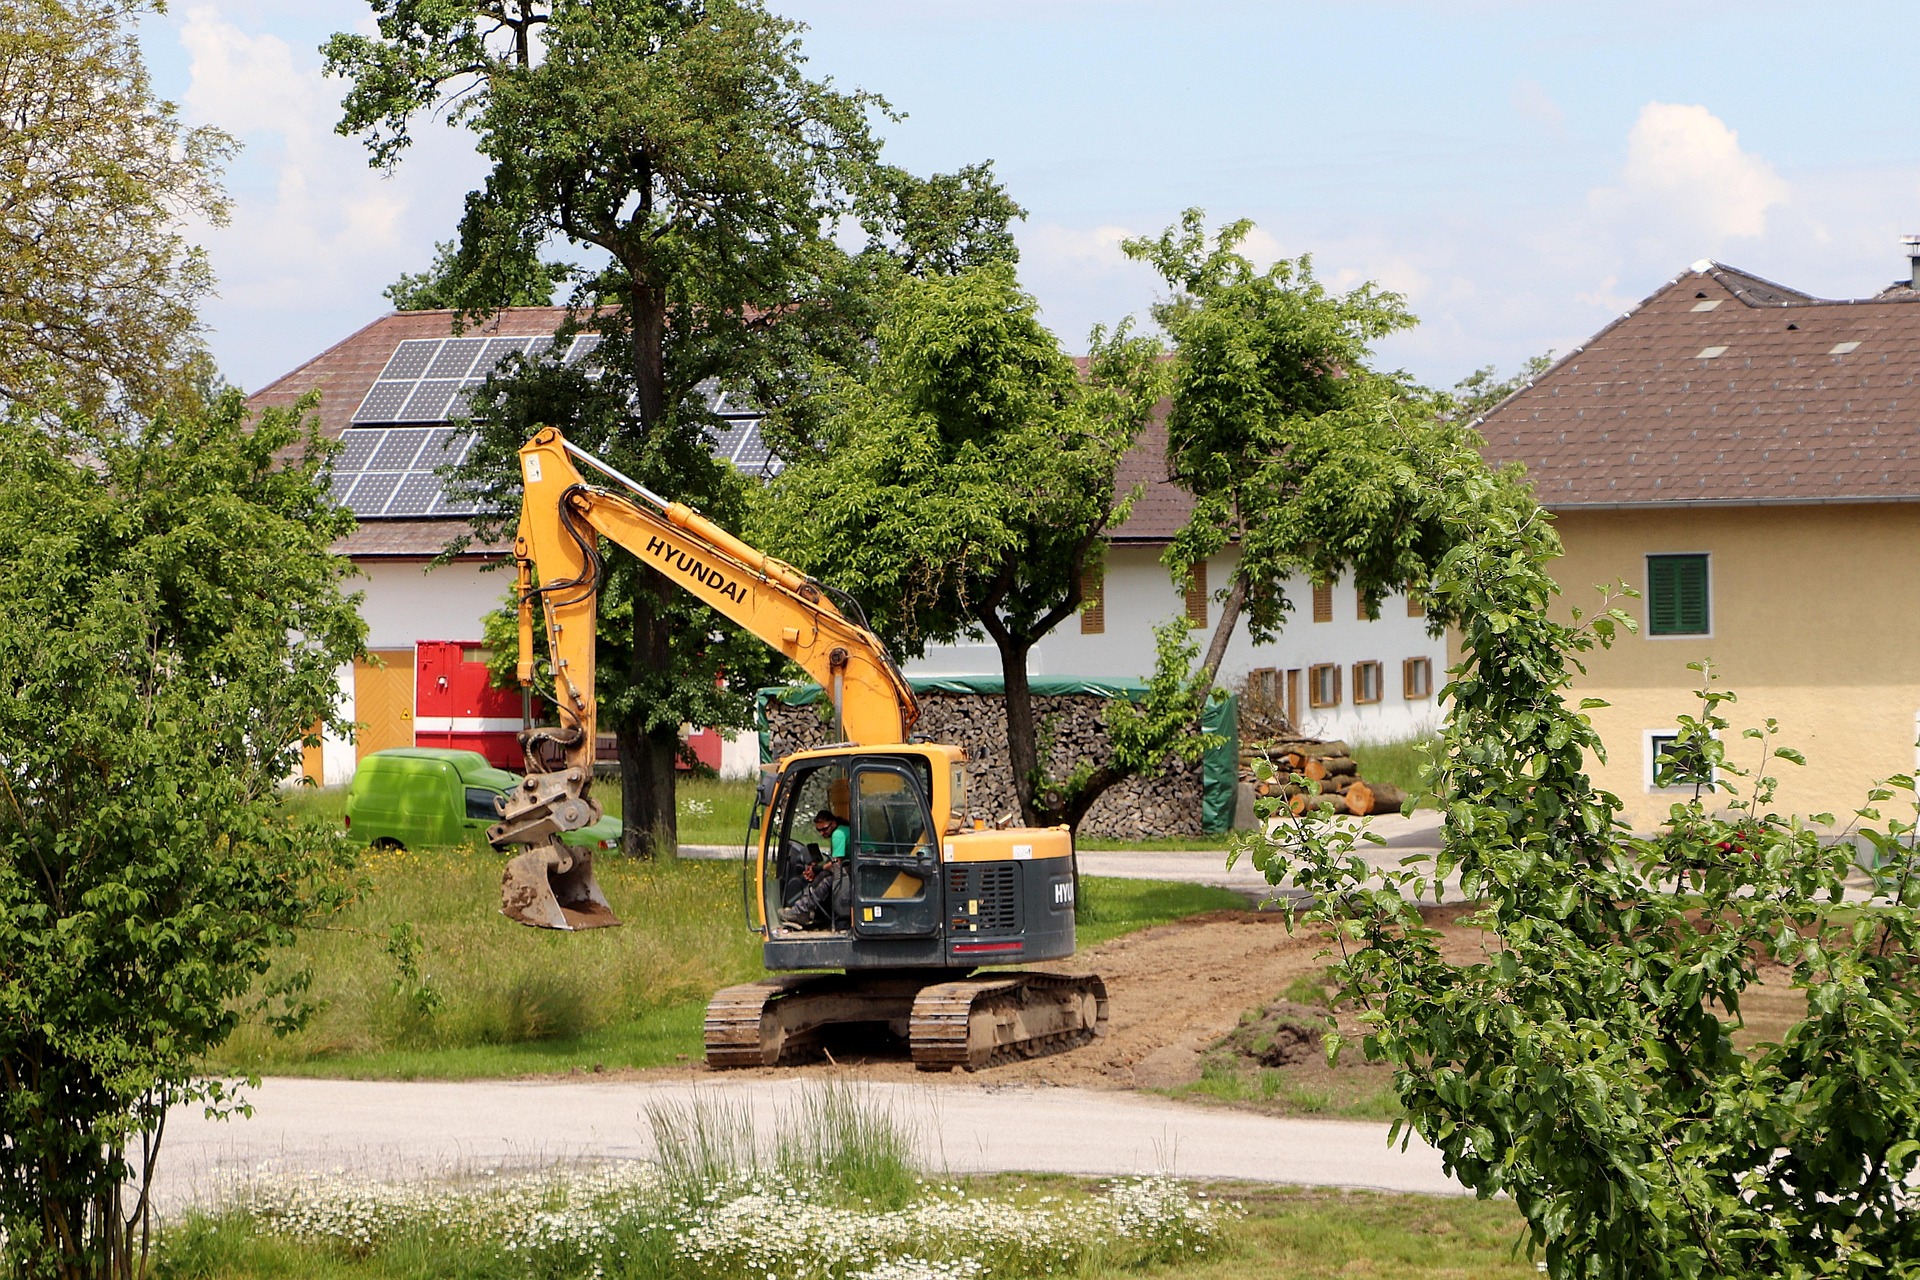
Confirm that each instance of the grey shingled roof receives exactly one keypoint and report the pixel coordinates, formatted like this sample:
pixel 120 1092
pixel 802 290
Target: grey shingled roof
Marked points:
pixel 1644 414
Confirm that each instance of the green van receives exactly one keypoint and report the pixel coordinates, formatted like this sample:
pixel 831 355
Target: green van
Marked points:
pixel 430 796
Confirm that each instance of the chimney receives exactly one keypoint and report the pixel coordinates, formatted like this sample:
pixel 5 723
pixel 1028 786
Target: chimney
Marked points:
pixel 1912 244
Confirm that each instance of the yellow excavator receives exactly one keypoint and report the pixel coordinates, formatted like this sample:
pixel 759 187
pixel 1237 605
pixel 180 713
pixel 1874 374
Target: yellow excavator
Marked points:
pixel 925 893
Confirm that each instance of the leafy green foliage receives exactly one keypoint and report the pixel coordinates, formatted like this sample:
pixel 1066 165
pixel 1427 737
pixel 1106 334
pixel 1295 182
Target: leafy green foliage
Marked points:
pixel 968 481
pixel 1586 1064
pixel 1294 450
pixel 173 622
pixel 96 176
pixel 448 284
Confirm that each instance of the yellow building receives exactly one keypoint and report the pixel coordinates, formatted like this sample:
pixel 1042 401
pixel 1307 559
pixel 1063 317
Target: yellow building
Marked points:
pixel 1746 457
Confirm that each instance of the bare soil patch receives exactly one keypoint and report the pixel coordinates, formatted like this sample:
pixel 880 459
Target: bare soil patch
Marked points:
pixel 1173 991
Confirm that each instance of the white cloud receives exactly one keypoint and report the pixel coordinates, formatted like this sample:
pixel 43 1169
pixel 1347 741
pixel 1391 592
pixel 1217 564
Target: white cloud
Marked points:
pixel 1686 166
pixel 316 234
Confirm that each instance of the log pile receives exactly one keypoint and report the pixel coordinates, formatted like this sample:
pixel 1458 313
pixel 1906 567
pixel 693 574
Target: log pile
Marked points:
pixel 1072 735
pixel 1330 763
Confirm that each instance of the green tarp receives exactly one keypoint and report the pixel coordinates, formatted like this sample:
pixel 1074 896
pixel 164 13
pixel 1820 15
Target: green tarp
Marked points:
pixel 1219 767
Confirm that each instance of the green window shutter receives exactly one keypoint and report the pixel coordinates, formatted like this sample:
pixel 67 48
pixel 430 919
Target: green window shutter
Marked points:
pixel 1677 596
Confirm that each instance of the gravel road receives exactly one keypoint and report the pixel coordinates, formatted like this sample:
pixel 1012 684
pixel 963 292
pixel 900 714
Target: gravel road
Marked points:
pixel 406 1130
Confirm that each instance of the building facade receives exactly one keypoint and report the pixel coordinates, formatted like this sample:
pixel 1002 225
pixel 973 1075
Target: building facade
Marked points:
pixel 1746 457
pixel 390 392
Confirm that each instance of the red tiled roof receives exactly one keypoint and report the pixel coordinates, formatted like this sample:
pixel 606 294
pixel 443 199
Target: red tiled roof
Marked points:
pixel 1642 415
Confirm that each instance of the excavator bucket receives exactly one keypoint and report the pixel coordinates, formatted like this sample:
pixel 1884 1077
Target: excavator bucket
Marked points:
pixel 550 885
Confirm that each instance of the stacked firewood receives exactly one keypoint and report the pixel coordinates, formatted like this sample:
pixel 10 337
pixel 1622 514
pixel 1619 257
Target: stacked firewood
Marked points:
pixel 1330 764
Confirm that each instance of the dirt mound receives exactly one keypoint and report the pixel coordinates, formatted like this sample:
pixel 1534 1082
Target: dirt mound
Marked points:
pixel 1280 1035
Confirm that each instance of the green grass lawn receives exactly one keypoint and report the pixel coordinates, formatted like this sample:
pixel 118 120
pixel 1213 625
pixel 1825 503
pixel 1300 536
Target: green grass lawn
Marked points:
pixel 421 978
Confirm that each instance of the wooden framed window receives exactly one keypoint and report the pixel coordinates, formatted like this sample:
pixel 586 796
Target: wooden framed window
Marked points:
pixel 1293 700
pixel 1416 679
pixel 1323 602
pixel 1093 594
pixel 1414 608
pixel 1360 607
pixel 1263 686
pixel 1197 596
pixel 1366 683
pixel 1677 596
pixel 1323 685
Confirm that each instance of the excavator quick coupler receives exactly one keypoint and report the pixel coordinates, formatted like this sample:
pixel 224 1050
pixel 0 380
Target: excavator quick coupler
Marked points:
pixel 550 884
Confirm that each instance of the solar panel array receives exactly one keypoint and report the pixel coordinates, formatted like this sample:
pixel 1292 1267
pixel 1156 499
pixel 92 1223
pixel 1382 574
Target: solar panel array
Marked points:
pixel 394 471
pixel 430 379
pixel 387 468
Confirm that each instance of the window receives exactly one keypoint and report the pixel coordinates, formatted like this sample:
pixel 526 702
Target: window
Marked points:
pixel 1323 602
pixel 1093 591
pixel 1197 596
pixel 1360 607
pixel 1366 682
pixel 485 804
pixel 1677 596
pixel 1263 686
pixel 1414 608
pixel 1323 685
pixel 1670 768
pixel 1416 679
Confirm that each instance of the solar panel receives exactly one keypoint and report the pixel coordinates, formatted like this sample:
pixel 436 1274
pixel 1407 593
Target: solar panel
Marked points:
pixel 372 493
pixel 583 346
pixel 498 349
pixel 396 451
pixel 410 359
pixel 384 402
pixel 430 402
pixel 731 436
pixel 415 496
pixel 357 448
pixel 456 358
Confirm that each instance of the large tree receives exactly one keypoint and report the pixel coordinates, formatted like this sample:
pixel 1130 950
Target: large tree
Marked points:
pixel 968 483
pixel 97 175
pixel 171 621
pixel 684 141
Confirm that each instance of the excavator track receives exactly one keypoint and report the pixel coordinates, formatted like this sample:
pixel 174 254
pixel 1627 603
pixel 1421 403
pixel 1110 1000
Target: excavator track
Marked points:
pixel 996 1018
pixel 967 1023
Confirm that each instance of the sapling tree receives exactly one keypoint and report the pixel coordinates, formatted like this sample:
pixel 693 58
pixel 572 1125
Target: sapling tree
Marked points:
pixel 1591 1064
pixel 171 622
pixel 967 482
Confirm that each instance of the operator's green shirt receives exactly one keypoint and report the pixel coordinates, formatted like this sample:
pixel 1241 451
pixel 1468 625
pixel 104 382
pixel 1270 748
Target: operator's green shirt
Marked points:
pixel 837 842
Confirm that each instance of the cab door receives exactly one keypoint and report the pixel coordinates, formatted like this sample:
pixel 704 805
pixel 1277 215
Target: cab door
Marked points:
pixel 895 871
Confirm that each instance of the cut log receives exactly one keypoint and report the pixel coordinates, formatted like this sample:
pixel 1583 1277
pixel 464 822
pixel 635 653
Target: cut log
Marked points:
pixel 1359 798
pixel 1387 798
pixel 1338 764
pixel 1314 768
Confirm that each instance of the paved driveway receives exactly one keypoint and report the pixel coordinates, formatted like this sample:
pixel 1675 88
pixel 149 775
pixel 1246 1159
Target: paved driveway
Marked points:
pixel 405 1130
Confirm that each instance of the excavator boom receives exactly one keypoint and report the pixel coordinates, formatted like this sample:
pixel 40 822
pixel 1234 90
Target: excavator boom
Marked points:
pixel 561 520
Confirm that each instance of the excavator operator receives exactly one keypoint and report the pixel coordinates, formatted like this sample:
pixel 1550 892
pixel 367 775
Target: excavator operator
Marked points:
pixel 814 908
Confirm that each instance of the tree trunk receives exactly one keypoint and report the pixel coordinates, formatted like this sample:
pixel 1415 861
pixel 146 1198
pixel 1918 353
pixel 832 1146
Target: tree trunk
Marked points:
pixel 1023 749
pixel 1223 632
pixel 646 791
pixel 647 757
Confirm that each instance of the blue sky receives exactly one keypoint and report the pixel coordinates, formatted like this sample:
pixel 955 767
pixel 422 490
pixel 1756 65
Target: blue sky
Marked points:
pixel 1523 172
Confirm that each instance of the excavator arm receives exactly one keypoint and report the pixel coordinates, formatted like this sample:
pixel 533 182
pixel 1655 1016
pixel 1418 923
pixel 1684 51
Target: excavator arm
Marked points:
pixel 557 550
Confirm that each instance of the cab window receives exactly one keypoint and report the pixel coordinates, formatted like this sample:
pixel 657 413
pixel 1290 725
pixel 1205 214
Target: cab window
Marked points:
pixel 485 804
